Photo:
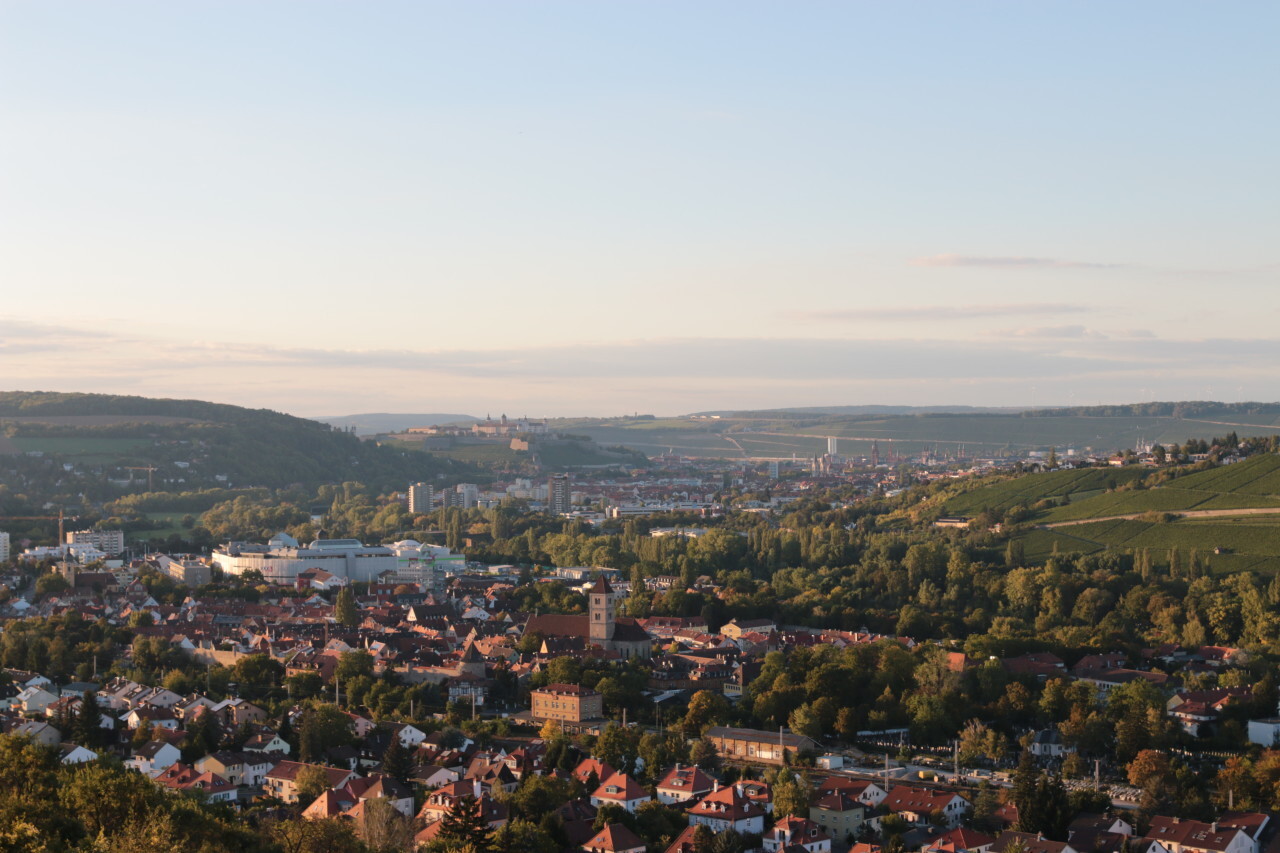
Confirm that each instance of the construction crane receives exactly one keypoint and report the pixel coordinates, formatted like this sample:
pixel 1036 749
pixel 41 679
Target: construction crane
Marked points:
pixel 62 533
pixel 150 469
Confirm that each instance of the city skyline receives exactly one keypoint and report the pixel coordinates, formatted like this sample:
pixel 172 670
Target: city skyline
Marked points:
pixel 589 209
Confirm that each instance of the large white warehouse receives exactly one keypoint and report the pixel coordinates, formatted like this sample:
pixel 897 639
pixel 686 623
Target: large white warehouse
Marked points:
pixel 282 558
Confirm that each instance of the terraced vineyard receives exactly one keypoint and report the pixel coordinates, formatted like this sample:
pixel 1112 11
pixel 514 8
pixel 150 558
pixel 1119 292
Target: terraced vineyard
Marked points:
pixel 1254 483
pixel 1246 544
pixel 1249 541
pixel 1075 485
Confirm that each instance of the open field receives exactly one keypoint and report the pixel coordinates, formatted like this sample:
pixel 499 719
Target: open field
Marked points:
pixel 168 524
pixel 981 434
pixel 79 445
pixel 992 432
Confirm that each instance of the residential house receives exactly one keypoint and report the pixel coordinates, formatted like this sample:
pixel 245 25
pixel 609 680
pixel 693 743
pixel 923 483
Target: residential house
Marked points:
pixel 1181 835
pixel 620 789
pixel 918 805
pixel 868 793
pixel 267 742
pixel 442 801
pixel 281 780
pixel 183 777
pixel 238 768
pixel 34 700
pixel 153 757
pixel 728 808
pixel 234 712
pixel 839 813
pixel 614 838
pixel 793 834
pixel 70 753
pixel 684 783
pixel 1029 843
pixel 582 772
pixel 960 840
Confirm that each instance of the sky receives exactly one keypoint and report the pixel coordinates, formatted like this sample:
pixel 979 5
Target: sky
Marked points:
pixel 597 208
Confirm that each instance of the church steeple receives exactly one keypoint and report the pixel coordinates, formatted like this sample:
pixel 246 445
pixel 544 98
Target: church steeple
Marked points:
pixel 600 612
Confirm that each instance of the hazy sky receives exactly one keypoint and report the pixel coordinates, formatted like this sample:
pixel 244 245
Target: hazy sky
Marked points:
pixel 603 207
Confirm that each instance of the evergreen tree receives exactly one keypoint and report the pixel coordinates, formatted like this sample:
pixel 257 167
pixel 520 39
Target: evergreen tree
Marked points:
pixel 345 610
pixel 1024 790
pixel 397 762
pixel 286 732
pixel 465 825
pixel 88 724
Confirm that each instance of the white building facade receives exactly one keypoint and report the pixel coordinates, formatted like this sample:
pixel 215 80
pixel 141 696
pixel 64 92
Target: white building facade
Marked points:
pixel 282 559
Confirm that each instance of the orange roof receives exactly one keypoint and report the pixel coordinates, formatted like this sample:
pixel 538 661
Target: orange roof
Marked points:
pixel 614 837
pixel 620 788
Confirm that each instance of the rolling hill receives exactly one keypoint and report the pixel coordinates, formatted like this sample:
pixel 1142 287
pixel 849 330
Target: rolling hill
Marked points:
pixel 81 443
pixel 375 423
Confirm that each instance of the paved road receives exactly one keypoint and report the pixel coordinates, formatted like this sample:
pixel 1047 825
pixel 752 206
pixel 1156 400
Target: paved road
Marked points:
pixel 1190 513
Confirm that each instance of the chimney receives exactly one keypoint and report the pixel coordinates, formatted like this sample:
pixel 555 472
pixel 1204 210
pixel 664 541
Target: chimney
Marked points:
pixel 715 785
pixel 1213 827
pixel 475 788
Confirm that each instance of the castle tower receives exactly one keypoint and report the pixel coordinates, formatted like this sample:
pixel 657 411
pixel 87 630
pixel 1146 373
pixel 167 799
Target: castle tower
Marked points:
pixel 600 609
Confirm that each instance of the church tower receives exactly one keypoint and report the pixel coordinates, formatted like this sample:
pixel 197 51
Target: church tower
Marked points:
pixel 600 610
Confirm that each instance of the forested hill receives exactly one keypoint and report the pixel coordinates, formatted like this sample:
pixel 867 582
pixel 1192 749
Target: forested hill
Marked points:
pixel 89 440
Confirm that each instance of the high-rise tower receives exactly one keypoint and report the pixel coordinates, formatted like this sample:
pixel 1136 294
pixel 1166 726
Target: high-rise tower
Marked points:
pixel 558 494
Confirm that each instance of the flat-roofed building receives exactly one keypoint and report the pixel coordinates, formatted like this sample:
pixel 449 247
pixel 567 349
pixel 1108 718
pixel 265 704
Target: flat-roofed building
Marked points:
pixel 109 542
pixel 282 559
pixel 186 572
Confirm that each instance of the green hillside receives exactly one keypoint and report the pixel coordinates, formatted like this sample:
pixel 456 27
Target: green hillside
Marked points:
pixel 1233 510
pixel 1248 543
pixel 55 444
pixel 1252 483
pixel 1074 485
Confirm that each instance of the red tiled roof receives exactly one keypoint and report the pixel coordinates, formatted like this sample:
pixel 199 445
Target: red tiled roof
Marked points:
pixel 614 837
pixel 620 788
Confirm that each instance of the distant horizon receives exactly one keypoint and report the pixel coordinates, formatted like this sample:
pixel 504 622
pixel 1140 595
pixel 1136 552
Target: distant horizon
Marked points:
pixel 496 411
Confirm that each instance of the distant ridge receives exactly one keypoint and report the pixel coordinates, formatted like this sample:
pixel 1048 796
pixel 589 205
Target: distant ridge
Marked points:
pixel 810 411
pixel 378 422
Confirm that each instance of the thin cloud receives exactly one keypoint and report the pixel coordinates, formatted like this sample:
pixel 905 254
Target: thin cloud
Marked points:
pixel 1060 332
pixel 659 374
pixel 1010 262
pixel 914 313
